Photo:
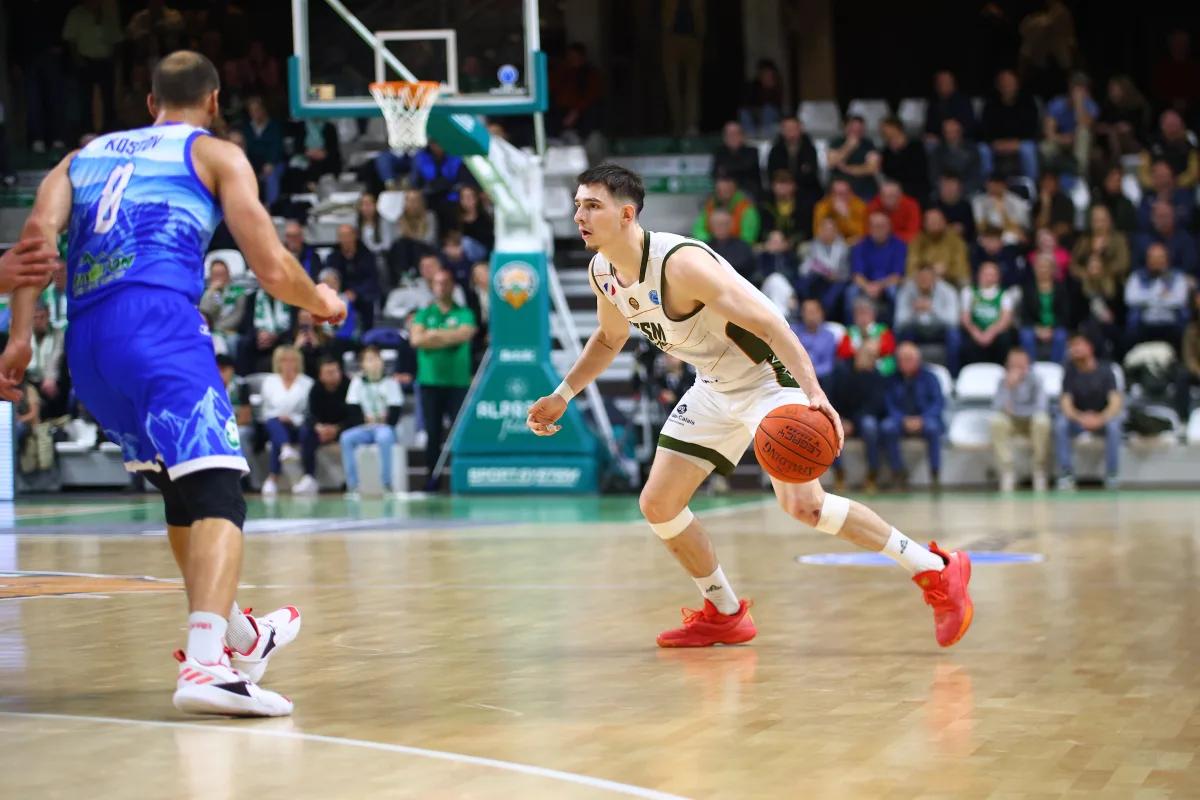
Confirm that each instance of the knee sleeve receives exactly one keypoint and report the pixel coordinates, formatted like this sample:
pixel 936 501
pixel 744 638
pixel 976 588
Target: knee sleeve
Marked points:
pixel 834 511
pixel 174 508
pixel 214 494
pixel 673 527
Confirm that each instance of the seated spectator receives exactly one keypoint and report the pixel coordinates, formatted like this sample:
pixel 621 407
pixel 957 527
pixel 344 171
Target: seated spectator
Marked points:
pixel 264 148
pixel 1100 260
pixel 991 247
pixel 454 257
pixel 825 271
pixel 1163 230
pixel 416 235
pixel 239 399
pixel 780 272
pixel 30 435
pixel 1009 127
pixel 795 152
pixel 1045 312
pixel 576 89
pixel 902 210
pixel 47 369
pixel 478 299
pixel 388 171
pixel 224 306
pixel 313 342
pixel 375 404
pixel 1156 297
pixel 474 220
pixel 852 157
pixel 846 209
pixel 293 242
pixel 957 209
pixel 955 154
pixel 927 313
pixel 1000 208
pixel 311 149
pixel 737 204
pixel 1021 408
pixel 785 212
pixel 738 161
pixel 1053 209
pixel 1110 195
pixel 1067 128
pixel 1165 189
pixel 419 293
pixel 272 322
pixel 360 275
pixel 903 160
pixel 284 407
pixel 1171 144
pixel 1046 244
pixel 441 333
pixel 877 263
pixel 762 105
pixel 940 247
pixel 1090 402
pixel 1188 374
pixel 724 241
pixel 860 393
pixel 343 334
pixel 914 403
pixel 55 298
pixel 947 102
pixel 376 233
pixel 987 317
pixel 817 339
pixel 867 329
pixel 1124 120
pixel 437 174
pixel 328 416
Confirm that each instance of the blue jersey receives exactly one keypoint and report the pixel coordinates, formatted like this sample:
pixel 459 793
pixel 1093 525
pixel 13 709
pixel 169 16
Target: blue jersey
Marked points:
pixel 140 215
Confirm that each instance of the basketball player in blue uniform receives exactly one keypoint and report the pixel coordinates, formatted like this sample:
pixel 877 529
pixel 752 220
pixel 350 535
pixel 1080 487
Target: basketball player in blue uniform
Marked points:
pixel 139 207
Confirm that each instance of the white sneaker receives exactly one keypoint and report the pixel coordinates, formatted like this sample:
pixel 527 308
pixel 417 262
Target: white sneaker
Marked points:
pixel 1008 482
pixel 269 489
pixel 306 485
pixel 275 631
pixel 1065 483
pixel 1040 484
pixel 351 495
pixel 218 689
pixel 289 453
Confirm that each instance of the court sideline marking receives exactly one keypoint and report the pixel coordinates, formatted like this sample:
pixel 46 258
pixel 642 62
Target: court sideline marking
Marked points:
pixel 602 784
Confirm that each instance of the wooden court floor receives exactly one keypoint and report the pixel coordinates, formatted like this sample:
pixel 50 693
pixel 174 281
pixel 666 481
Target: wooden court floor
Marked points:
pixel 505 649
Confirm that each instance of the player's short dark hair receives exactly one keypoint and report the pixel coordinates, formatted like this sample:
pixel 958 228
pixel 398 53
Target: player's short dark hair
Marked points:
pixel 623 184
pixel 184 79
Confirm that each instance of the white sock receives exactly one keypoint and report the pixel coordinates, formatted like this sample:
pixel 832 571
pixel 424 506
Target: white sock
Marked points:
pixel 911 555
pixel 241 635
pixel 715 588
pixel 206 637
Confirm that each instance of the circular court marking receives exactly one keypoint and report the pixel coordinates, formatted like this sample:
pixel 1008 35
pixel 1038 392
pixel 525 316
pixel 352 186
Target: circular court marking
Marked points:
pixel 438 755
pixel 879 560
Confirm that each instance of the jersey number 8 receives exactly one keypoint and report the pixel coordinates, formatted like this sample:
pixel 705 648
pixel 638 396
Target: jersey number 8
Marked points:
pixel 110 198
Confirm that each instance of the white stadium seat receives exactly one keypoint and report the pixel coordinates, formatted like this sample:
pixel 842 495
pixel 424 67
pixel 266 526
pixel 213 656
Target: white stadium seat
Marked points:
pixel 912 113
pixel 839 330
pixel 1193 428
pixel 390 205
pixel 232 258
pixel 970 428
pixel 872 110
pixel 943 376
pixel 821 118
pixel 978 382
pixel 1051 376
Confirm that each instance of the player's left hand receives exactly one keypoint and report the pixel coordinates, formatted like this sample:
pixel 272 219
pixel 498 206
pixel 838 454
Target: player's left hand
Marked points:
pixel 331 308
pixel 819 402
pixel 13 362
pixel 544 413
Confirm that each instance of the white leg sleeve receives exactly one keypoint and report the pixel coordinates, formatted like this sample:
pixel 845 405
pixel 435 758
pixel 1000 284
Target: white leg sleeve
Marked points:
pixel 672 528
pixel 833 514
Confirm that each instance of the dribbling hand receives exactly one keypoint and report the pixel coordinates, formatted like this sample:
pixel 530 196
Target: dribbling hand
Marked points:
pixel 819 402
pixel 544 413
pixel 331 308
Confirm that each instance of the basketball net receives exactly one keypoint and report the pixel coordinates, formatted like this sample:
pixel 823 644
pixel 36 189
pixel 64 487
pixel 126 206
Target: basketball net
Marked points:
pixel 406 106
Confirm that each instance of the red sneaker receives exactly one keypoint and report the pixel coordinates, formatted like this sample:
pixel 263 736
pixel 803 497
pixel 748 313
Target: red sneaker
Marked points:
pixel 708 626
pixel 947 592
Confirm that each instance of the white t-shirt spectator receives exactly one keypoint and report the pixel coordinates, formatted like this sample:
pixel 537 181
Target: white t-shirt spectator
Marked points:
pixel 281 401
pixel 374 397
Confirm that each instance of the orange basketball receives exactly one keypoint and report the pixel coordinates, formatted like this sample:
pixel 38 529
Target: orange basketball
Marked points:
pixel 795 444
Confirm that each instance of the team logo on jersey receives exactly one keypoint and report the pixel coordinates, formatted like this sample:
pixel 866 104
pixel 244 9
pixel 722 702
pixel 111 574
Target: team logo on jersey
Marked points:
pixel 654 297
pixel 516 283
pixel 232 437
pixel 633 302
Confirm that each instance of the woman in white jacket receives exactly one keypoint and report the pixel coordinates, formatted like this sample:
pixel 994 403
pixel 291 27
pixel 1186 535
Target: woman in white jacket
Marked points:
pixel 284 407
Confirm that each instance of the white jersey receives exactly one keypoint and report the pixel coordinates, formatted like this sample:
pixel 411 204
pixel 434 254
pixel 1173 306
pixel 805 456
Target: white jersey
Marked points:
pixel 725 356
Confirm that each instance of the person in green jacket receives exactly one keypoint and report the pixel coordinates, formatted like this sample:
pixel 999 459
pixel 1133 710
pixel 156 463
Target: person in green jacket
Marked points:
pixel 725 196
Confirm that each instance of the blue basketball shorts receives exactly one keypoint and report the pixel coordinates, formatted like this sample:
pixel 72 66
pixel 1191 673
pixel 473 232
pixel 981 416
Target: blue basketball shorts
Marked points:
pixel 142 364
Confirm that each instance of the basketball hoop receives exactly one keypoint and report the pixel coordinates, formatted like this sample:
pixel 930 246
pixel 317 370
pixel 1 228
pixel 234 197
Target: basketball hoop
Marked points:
pixel 406 106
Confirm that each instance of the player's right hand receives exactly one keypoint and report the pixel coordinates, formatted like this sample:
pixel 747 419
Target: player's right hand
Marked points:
pixel 13 363
pixel 30 262
pixel 544 413
pixel 330 307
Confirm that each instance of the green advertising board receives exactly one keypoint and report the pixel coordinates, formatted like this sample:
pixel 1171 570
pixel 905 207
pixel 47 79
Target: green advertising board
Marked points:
pixel 492 449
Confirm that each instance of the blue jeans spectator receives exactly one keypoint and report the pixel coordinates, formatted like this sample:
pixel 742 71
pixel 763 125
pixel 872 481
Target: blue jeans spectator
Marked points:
pixel 1065 432
pixel 1058 344
pixel 951 337
pixel 866 427
pixel 391 167
pixel 1028 155
pixel 760 122
pixel 383 436
pixel 280 433
pixel 829 293
pixel 891 431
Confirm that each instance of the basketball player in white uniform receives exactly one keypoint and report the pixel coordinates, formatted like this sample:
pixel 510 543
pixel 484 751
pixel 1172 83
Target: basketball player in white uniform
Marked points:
pixel 691 303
